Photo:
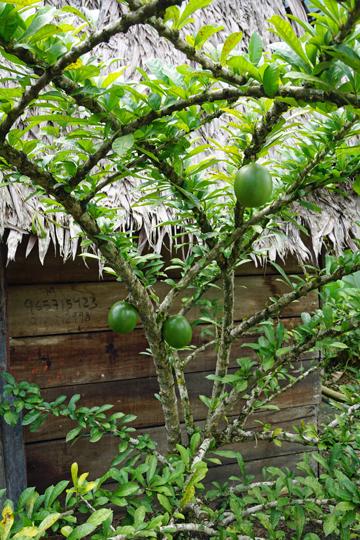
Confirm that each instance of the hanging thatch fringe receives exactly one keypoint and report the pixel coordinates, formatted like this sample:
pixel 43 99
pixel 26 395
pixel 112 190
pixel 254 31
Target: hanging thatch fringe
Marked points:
pixel 21 214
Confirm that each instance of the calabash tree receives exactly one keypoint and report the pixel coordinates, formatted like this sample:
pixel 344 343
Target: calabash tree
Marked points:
pixel 291 117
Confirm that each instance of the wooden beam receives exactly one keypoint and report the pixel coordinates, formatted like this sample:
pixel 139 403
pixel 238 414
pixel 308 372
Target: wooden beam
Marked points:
pixel 12 453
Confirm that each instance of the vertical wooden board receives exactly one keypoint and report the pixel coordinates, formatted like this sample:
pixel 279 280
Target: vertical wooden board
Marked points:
pixel 12 456
pixel 54 458
pixel 58 309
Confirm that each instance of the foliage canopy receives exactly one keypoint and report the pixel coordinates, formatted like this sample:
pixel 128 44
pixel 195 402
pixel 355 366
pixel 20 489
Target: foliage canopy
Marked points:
pixel 295 110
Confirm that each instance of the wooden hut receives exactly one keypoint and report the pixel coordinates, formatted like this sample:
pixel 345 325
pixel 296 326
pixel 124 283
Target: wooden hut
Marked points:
pixel 54 308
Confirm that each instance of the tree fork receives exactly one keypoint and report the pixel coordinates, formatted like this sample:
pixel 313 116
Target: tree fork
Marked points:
pixel 139 294
pixel 122 26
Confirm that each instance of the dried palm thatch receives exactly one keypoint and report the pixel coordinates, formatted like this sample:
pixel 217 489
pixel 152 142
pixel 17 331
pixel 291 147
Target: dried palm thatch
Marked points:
pixel 335 225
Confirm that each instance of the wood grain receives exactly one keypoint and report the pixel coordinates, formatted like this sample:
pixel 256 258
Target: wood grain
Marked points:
pixel 36 310
pixel 54 458
pixel 102 356
pixel 137 397
pixel 60 340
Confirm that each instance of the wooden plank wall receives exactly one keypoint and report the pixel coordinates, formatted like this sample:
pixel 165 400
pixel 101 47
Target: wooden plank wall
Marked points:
pixel 60 340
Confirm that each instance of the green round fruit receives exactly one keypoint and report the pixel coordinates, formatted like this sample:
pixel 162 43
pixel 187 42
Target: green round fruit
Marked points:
pixel 177 331
pixel 253 185
pixel 122 317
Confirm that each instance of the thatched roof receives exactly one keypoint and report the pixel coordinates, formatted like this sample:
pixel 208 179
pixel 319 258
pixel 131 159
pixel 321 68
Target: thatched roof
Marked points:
pixel 336 224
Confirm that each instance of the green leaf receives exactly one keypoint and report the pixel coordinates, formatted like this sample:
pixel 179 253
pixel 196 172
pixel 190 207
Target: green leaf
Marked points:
pixel 286 32
pixel 123 144
pixel 184 453
pixel 10 21
pixel 26 532
pixel 165 503
pixel 22 3
pixel 49 521
pixel 188 496
pixel 271 80
pixel 205 33
pixel 81 531
pixel 230 43
pixel 139 516
pixel 74 473
pixel 77 12
pixel 346 55
pixel 330 524
pixel 199 472
pixel 46 31
pixel 11 418
pixel 58 489
pixel 190 8
pixel 98 517
pixel 127 489
pixel 306 77
pixel 152 463
pixel 66 530
pixel 255 48
pixel 127 531
pixel 338 345
pixel 345 506
pixel 240 65
pixel 282 273
pixel 314 485
pixel 299 520
pixel 195 442
pixel 30 417
pixel 42 18
pixel 73 434
pixel 229 454
pixel 111 77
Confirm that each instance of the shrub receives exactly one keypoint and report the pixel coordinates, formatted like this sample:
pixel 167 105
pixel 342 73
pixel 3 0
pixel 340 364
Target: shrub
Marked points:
pixel 294 110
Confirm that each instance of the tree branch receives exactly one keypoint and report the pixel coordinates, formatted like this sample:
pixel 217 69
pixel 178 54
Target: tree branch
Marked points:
pixel 122 26
pixel 228 403
pixel 74 90
pixel 143 158
pixel 349 412
pixel 188 528
pixel 176 181
pixel 310 95
pixel 218 71
pixel 240 435
pixel 206 97
pixel 201 453
pixel 223 356
pixel 259 136
pixel 276 307
pixel 123 269
pixel 344 30
pixel 315 283
pixel 273 504
pixel 263 129
pixel 283 201
pixel 184 395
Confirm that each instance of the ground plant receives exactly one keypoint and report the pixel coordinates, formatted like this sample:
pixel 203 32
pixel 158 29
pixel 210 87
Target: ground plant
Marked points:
pixel 71 126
